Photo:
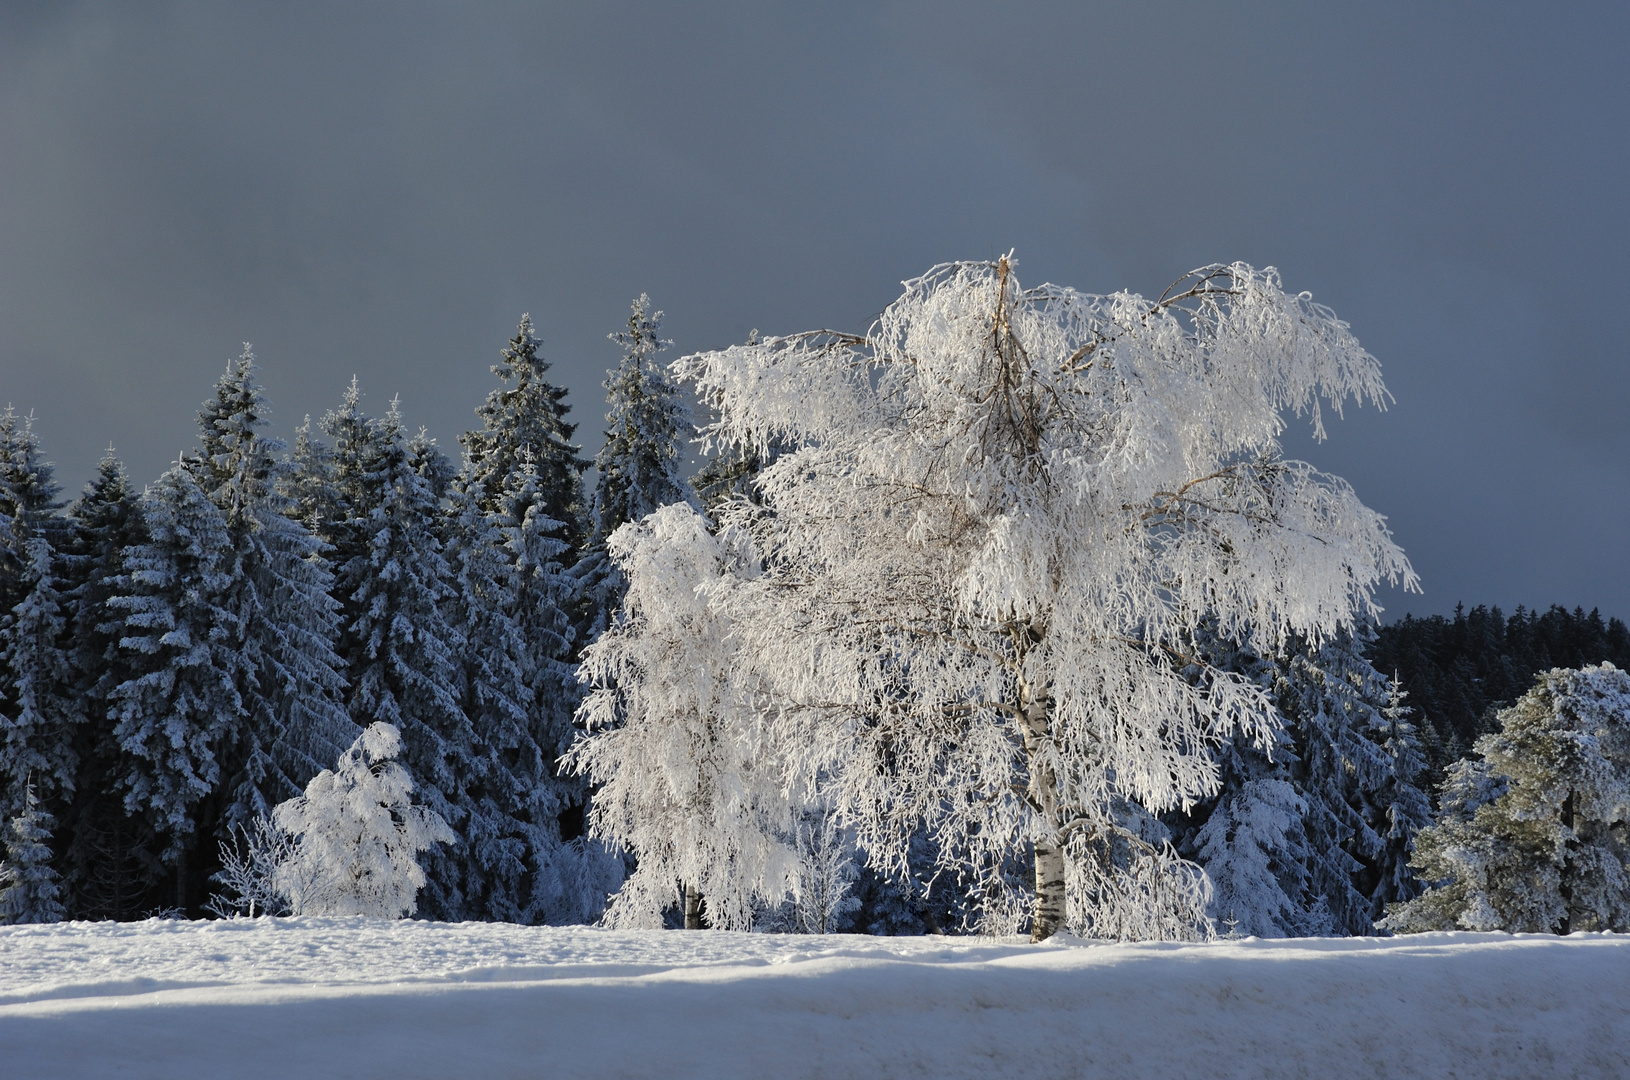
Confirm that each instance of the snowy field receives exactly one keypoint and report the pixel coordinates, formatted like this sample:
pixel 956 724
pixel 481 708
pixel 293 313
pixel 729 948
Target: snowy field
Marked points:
pixel 352 998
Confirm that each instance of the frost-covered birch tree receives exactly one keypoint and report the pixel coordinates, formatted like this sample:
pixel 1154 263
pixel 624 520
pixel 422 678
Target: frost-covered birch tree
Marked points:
pixel 995 523
pixel 685 778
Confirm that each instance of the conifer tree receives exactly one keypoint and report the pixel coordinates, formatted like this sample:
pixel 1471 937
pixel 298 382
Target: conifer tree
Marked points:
pixel 399 649
pixel 1532 834
pixel 639 465
pixel 518 693
pixel 295 722
pixel 543 593
pixel 44 715
pixel 309 485
pixel 179 719
pixel 29 892
pixel 525 419
pixel 1312 836
pixel 1332 699
pixel 39 712
pixel 1403 807
pixel 106 859
pixel 516 819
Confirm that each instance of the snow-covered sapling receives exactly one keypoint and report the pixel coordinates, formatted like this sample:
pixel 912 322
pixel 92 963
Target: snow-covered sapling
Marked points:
pixel 249 865
pixel 357 836
pixel 29 890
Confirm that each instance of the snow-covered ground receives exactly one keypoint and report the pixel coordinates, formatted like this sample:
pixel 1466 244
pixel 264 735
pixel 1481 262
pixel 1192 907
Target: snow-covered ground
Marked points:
pixel 347 997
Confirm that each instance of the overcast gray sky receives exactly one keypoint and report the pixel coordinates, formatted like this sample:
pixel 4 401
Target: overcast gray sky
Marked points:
pixel 382 190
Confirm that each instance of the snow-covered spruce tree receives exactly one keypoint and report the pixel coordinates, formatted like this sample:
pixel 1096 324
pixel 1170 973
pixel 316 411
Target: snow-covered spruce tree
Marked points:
pixel 357 835
pixel 1309 837
pixel 178 719
pixel 107 860
pixel 295 722
pixel 526 421
pixel 572 885
pixel 494 695
pixel 325 481
pixel 999 518
pixel 399 650
pixel 639 465
pixel 29 890
pixel 684 778
pixel 44 713
pixel 1534 835
pixel 39 710
pixel 1363 806
pixel 28 501
pixel 1404 808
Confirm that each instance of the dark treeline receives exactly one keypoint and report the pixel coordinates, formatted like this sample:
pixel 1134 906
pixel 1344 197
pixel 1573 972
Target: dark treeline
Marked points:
pixel 1460 671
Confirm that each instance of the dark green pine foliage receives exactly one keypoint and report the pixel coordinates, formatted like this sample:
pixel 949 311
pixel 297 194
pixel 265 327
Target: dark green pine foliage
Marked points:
pixel 400 651
pixel 109 860
pixel 1461 671
pixel 296 725
pixel 39 710
pixel 639 465
pixel 525 420
pixel 29 889
pixel 180 728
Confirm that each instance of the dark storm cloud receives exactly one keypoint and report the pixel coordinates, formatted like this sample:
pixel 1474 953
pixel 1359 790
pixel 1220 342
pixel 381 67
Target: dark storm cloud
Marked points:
pixel 383 190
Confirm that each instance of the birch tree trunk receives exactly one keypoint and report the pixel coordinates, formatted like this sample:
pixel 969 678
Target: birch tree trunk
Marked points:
pixel 1043 791
pixel 693 908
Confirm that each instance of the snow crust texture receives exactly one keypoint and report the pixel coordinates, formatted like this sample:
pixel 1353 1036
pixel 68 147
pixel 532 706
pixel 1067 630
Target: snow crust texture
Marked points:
pixel 353 998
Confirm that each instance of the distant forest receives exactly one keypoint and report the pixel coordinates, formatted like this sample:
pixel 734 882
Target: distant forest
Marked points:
pixel 1460 671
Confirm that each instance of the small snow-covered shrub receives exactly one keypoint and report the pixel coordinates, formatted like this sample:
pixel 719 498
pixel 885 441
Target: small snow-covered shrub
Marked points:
pixel 356 836
pixel 249 862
